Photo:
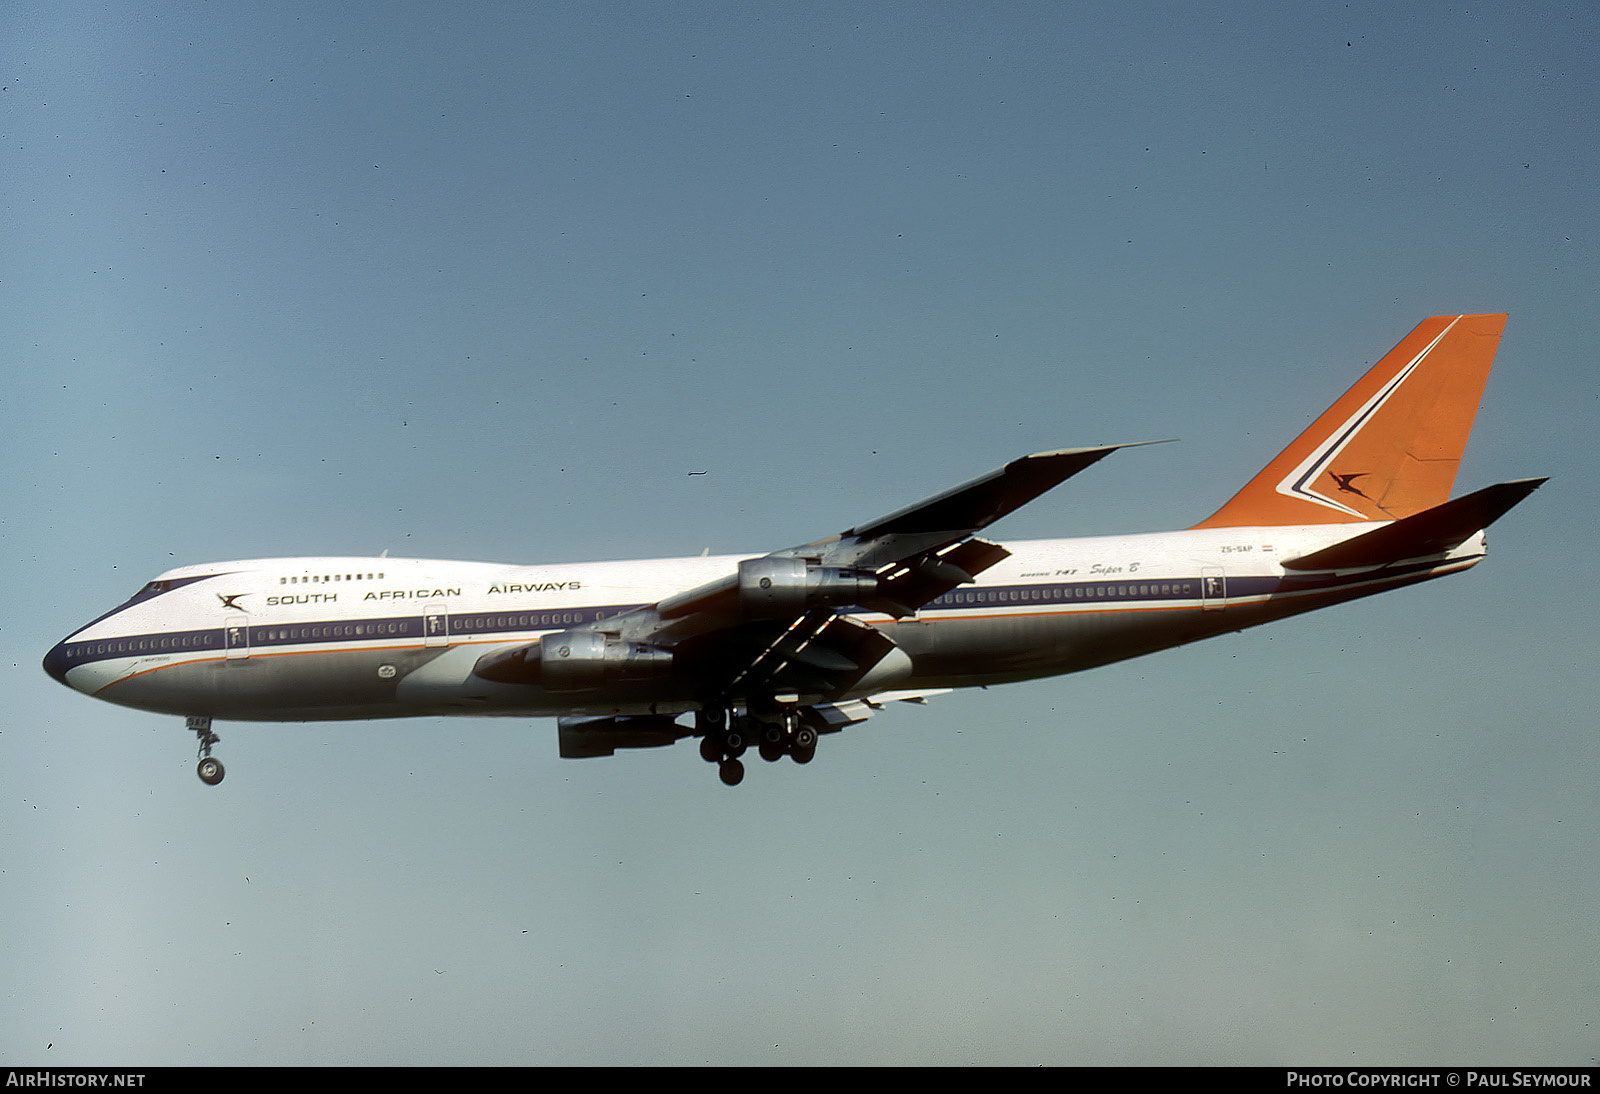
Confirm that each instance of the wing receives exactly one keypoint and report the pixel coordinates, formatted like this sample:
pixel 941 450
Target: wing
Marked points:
pixel 780 626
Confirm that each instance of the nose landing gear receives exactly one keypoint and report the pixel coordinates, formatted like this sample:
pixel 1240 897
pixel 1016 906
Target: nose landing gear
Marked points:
pixel 209 768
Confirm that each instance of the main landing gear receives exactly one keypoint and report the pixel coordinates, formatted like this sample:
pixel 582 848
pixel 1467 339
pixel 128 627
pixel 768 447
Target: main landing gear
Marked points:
pixel 209 768
pixel 724 736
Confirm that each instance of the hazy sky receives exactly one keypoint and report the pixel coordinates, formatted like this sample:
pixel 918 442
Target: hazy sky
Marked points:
pixel 489 280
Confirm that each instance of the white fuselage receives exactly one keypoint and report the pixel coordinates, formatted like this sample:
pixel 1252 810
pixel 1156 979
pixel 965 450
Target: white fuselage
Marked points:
pixel 323 638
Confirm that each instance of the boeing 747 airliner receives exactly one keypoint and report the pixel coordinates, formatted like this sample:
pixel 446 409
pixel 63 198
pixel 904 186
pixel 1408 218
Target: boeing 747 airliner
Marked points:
pixel 776 649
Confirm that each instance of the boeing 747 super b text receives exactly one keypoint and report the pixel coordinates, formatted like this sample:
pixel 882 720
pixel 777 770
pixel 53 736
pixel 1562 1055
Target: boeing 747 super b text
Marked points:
pixel 776 649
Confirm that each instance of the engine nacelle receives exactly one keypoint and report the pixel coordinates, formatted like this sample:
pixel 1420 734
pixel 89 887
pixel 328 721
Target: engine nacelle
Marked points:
pixel 585 736
pixel 773 587
pixel 579 660
pixel 576 661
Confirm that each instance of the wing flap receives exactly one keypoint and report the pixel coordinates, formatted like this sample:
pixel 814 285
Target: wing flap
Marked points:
pixel 911 585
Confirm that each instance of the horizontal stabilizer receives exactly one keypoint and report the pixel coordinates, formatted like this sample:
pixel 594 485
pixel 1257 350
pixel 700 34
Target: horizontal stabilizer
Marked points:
pixel 1430 532
pixel 828 717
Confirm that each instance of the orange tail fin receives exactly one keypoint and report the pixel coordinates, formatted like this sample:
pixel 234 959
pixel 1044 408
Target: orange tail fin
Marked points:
pixel 1391 445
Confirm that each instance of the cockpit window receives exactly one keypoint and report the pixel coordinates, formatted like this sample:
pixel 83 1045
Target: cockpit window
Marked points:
pixel 166 585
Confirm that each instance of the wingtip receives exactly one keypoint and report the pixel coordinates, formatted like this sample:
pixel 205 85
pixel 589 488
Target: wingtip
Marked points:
pixel 1087 449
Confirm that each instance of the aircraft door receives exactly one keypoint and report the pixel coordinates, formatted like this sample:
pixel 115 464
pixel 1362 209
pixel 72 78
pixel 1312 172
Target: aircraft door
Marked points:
pixel 1213 588
pixel 236 636
pixel 435 624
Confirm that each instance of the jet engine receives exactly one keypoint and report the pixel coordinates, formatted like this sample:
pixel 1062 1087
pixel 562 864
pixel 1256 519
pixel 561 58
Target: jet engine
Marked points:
pixel 576 661
pixel 773 587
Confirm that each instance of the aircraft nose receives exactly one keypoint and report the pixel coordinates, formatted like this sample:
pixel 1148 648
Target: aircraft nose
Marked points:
pixel 56 662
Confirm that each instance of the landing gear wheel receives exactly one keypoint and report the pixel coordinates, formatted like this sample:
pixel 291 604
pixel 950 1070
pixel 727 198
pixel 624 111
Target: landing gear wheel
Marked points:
pixel 722 742
pixel 731 772
pixel 802 743
pixel 209 770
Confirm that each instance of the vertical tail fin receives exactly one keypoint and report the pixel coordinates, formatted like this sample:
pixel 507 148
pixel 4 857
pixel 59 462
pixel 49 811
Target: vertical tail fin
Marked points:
pixel 1391 445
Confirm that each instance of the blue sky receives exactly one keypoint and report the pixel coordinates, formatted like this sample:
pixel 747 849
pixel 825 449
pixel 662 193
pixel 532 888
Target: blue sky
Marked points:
pixel 489 280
